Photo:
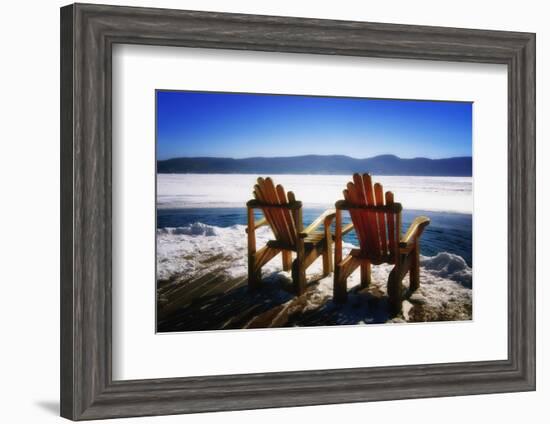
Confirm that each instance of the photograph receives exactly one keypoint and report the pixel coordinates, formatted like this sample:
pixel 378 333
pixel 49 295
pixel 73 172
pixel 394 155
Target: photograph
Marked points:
pixel 284 211
pixel 275 212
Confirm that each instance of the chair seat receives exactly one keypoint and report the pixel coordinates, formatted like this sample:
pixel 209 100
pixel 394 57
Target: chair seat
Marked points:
pixel 315 237
pixel 312 239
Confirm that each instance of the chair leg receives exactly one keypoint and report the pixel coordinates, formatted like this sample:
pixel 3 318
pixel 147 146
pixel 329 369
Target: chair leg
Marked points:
pixel 287 260
pixel 327 259
pixel 342 271
pixel 365 274
pixel 414 270
pixel 395 289
pixel 299 276
pixel 340 285
pixel 299 269
pixel 256 260
pixel 254 276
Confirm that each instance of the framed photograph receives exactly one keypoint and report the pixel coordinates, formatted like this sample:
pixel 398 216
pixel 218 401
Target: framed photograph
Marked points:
pixel 268 211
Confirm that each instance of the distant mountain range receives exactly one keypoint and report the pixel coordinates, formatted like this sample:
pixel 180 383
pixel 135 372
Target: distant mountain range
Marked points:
pixel 318 164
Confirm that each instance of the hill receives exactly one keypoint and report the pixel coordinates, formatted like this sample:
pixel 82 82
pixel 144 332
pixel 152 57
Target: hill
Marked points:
pixel 318 164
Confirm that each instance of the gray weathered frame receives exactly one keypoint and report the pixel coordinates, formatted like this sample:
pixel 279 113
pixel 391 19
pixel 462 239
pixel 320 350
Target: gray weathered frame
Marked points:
pixel 88 33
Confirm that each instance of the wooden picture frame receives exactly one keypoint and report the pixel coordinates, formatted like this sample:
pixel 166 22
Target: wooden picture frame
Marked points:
pixel 88 33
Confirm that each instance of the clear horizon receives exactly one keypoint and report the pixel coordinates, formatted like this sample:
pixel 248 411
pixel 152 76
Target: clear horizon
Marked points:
pixel 239 126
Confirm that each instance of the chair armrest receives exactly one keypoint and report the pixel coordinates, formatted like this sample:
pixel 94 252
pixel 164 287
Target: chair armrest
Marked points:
pixel 259 223
pixel 347 229
pixel 325 218
pixel 415 231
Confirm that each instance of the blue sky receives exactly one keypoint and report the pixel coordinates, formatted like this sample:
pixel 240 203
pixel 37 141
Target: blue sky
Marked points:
pixel 245 125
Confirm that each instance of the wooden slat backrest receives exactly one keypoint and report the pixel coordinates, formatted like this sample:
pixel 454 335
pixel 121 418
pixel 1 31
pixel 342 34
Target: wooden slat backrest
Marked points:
pixel 381 217
pixel 365 183
pixel 393 242
pixel 377 227
pixel 280 219
pixel 393 221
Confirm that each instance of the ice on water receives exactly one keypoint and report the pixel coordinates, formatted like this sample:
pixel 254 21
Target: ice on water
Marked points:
pixel 442 194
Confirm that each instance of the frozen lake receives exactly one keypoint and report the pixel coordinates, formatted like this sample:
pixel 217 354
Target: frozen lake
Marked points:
pixel 440 194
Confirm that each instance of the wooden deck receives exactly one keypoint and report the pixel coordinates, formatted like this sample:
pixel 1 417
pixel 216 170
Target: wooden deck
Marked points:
pixel 211 302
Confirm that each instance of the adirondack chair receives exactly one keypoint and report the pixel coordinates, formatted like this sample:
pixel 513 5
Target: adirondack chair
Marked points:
pixel 378 229
pixel 283 213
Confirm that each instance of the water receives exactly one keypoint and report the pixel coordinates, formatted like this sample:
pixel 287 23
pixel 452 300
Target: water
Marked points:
pixel 447 232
